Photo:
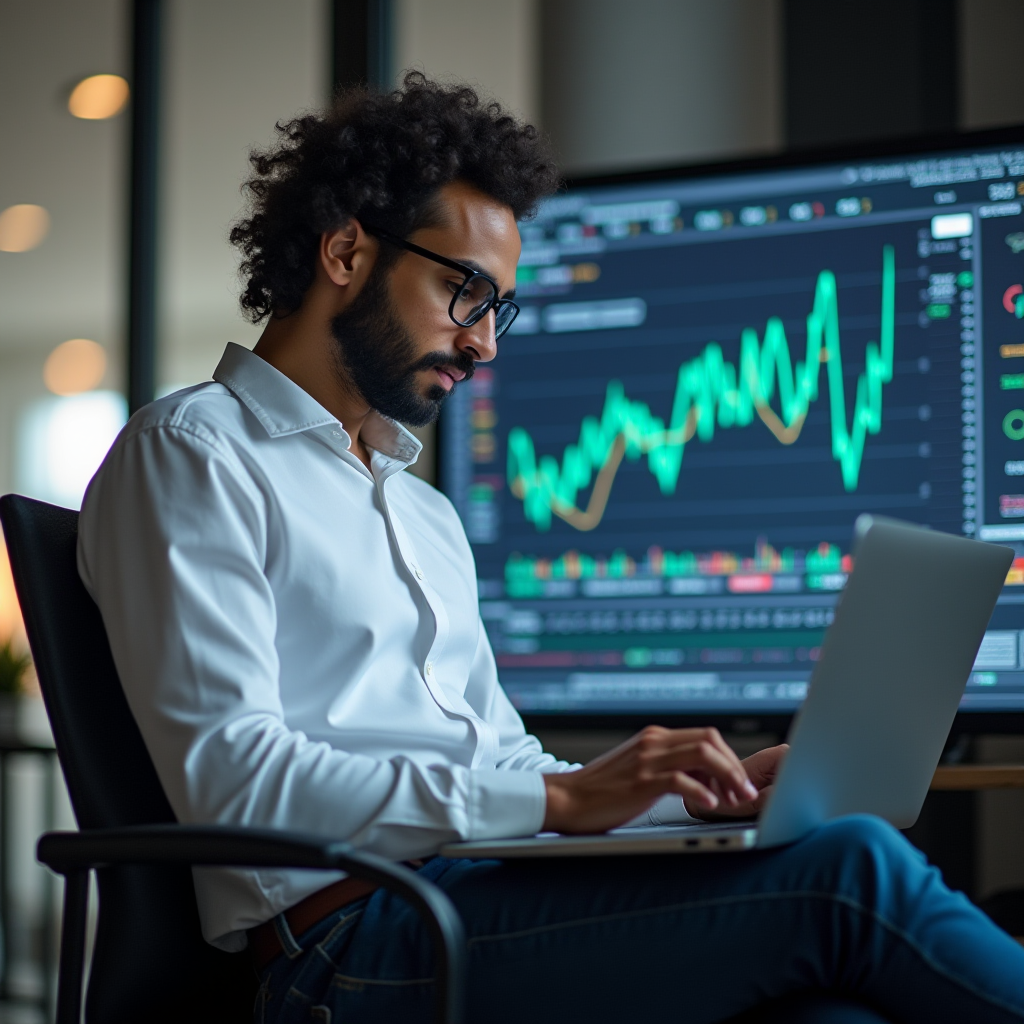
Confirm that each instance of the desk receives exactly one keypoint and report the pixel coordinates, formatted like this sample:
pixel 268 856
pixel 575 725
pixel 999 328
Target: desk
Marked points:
pixel 978 776
pixel 9 748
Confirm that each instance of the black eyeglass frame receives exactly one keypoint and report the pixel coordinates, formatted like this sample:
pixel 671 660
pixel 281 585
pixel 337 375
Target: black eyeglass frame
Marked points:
pixel 496 303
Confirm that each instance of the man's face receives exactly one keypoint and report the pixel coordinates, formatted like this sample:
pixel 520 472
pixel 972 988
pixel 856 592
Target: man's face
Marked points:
pixel 396 341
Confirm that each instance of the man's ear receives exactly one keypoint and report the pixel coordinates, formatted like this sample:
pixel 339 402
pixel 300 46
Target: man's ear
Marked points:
pixel 347 254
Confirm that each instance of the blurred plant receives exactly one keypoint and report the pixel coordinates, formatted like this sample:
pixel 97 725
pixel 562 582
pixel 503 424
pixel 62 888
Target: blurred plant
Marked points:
pixel 13 667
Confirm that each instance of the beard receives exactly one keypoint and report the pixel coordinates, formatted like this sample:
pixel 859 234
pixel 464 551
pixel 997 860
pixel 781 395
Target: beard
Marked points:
pixel 377 355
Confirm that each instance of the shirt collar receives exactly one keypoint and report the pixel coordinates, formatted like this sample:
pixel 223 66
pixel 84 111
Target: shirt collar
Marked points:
pixel 283 408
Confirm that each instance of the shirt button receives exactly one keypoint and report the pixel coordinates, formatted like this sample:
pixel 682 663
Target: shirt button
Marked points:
pixel 336 433
pixel 428 668
pixel 419 575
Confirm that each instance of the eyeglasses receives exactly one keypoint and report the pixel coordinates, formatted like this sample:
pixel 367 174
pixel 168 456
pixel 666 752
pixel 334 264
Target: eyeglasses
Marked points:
pixel 476 296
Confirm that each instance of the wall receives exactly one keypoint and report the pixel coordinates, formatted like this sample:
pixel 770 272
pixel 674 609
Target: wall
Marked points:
pixel 491 44
pixel 991 84
pixel 660 81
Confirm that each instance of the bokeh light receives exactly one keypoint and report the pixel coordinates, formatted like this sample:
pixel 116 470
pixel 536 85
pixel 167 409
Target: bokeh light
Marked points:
pixel 62 441
pixel 75 366
pixel 98 97
pixel 22 227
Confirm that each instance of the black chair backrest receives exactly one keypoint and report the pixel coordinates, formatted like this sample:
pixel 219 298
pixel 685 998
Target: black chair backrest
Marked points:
pixel 150 961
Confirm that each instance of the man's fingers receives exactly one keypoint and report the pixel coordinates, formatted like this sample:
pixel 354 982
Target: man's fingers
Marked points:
pixel 763 766
pixel 729 795
pixel 725 796
pixel 725 768
pixel 706 758
pixel 689 788
pixel 680 737
pixel 695 764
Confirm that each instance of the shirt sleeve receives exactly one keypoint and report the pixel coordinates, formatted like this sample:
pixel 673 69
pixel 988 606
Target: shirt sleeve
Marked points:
pixel 173 548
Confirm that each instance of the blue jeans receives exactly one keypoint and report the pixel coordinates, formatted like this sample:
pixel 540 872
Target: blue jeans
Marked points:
pixel 852 908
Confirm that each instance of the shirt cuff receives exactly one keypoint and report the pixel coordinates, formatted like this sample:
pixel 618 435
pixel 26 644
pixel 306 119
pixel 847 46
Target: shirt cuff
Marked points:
pixel 670 810
pixel 667 810
pixel 504 804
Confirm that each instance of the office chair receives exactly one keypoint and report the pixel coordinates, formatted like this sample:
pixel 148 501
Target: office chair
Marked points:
pixel 150 961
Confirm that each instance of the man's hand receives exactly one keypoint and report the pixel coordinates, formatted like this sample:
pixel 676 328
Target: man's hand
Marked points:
pixel 762 769
pixel 616 787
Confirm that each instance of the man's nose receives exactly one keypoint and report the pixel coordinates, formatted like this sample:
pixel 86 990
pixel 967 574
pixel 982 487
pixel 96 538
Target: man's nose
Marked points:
pixel 478 341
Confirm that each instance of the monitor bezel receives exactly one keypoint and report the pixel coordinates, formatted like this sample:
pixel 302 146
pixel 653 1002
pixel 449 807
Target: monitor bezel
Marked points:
pixel 776 723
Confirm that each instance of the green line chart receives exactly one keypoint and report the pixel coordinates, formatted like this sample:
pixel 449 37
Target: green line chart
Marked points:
pixel 711 393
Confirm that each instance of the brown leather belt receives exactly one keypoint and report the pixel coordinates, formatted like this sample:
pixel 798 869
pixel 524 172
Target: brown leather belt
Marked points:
pixel 265 946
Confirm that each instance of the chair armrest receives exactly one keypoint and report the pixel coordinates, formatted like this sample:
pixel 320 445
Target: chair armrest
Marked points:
pixel 226 845
pixel 76 853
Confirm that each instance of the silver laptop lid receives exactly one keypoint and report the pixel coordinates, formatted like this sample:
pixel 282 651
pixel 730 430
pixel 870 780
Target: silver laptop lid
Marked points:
pixel 886 688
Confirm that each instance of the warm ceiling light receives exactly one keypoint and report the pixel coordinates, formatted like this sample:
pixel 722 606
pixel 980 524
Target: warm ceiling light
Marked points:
pixel 74 366
pixel 98 97
pixel 23 227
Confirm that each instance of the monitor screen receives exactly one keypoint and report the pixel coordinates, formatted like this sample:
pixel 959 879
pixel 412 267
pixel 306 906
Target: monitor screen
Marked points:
pixel 711 376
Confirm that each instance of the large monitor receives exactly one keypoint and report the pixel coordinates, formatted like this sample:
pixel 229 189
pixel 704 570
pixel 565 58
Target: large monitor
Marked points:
pixel 715 370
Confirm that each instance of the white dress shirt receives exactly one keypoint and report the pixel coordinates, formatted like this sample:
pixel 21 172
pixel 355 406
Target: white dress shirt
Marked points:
pixel 298 637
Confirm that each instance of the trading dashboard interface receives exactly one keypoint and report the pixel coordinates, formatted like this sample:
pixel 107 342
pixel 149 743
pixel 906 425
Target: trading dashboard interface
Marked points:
pixel 709 380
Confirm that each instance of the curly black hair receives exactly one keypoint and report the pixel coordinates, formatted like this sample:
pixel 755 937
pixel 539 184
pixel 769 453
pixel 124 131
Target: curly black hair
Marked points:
pixel 379 157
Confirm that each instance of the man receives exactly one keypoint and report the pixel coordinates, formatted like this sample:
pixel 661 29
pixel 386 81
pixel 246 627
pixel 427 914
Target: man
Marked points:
pixel 294 621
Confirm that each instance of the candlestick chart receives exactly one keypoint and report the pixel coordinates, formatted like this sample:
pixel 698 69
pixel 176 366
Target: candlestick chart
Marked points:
pixel 712 393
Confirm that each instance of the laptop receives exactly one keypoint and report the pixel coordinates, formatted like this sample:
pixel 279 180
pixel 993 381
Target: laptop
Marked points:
pixel 881 701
